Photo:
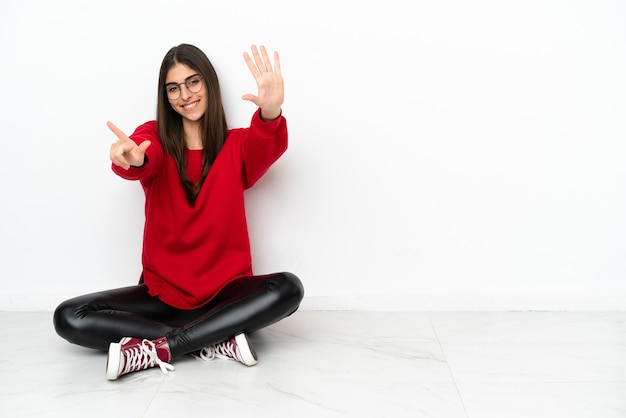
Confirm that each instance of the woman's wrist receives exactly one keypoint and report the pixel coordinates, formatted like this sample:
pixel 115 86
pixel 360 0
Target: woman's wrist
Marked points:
pixel 270 115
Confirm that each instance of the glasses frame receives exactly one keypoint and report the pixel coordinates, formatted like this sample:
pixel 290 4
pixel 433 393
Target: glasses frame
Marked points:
pixel 193 89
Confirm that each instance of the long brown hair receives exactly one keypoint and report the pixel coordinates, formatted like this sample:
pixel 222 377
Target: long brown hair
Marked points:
pixel 213 128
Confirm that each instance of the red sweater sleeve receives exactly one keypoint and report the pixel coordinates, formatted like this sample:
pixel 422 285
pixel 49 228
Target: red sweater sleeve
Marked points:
pixel 264 144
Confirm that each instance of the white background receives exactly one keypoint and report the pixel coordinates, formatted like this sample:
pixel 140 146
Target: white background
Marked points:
pixel 444 155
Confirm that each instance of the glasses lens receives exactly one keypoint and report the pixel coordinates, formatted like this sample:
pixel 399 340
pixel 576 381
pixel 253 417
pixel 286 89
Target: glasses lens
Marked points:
pixel 194 84
pixel 173 91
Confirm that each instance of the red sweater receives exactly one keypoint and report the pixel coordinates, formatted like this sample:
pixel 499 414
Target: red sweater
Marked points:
pixel 190 253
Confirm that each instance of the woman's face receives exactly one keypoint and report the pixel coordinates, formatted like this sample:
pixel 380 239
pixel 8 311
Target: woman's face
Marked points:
pixel 180 79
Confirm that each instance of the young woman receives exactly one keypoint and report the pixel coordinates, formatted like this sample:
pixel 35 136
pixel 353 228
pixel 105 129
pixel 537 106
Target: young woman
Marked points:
pixel 197 293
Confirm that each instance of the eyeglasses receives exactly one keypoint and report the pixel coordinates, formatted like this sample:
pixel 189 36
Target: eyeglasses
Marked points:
pixel 193 84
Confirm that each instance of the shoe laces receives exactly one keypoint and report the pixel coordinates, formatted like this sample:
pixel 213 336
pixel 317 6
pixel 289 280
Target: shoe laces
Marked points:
pixel 143 356
pixel 226 350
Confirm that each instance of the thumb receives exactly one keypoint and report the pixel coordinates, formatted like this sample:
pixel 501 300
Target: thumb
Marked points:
pixel 144 146
pixel 249 97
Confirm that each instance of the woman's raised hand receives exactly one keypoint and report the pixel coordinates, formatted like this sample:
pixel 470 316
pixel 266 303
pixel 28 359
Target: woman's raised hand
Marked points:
pixel 125 152
pixel 269 81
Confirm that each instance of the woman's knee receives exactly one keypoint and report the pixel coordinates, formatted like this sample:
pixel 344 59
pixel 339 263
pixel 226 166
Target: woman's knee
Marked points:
pixel 65 319
pixel 288 291
pixel 292 286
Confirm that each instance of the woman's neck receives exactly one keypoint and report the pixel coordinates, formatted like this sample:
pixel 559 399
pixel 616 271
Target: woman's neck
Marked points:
pixel 193 140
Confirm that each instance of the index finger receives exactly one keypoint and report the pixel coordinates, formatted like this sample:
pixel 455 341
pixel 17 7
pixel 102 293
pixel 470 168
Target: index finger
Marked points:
pixel 251 66
pixel 117 131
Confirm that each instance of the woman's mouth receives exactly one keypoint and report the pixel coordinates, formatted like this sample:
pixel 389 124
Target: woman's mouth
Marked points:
pixel 191 106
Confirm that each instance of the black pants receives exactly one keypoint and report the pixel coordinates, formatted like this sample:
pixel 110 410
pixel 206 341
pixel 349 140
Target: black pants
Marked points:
pixel 245 305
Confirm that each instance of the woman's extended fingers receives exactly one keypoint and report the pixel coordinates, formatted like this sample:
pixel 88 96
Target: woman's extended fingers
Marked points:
pixel 117 131
pixel 276 62
pixel 261 63
pixel 251 65
pixel 119 148
pixel 258 62
pixel 125 152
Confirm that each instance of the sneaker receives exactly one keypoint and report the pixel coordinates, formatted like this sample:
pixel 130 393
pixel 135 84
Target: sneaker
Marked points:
pixel 134 354
pixel 237 348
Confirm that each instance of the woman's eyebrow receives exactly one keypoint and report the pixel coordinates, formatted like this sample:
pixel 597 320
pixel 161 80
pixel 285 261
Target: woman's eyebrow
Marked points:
pixel 173 82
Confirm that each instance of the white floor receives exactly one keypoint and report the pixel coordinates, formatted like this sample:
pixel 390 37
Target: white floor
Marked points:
pixel 341 364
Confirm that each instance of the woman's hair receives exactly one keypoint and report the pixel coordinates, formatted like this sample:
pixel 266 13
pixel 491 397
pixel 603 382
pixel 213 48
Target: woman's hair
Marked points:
pixel 213 128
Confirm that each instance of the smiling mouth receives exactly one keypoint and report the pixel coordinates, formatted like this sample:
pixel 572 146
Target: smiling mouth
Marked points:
pixel 191 106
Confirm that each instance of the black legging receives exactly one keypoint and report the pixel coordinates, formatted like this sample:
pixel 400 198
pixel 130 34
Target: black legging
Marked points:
pixel 245 305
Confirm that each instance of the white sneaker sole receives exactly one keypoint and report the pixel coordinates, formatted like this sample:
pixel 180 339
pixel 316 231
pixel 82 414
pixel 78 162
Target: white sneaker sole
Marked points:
pixel 113 360
pixel 248 355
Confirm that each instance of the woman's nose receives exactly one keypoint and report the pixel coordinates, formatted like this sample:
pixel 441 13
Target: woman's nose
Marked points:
pixel 184 92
